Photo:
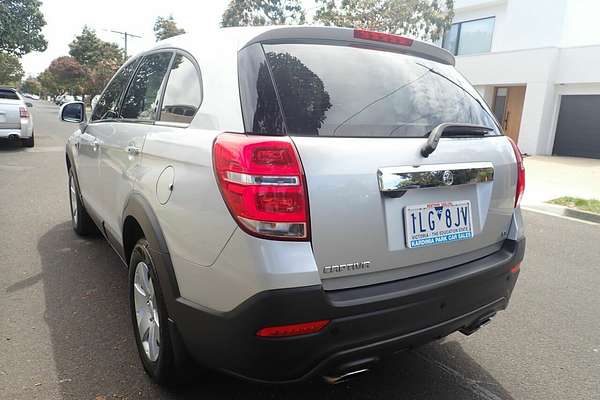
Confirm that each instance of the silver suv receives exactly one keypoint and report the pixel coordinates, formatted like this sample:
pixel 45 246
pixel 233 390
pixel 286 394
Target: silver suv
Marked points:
pixel 297 201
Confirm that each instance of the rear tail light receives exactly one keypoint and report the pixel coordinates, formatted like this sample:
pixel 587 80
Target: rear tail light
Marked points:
pixel 24 112
pixel 516 268
pixel 293 330
pixel 262 182
pixel 520 173
pixel 382 37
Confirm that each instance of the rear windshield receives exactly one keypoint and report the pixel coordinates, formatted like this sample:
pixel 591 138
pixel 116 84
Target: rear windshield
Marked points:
pixel 336 90
pixel 8 94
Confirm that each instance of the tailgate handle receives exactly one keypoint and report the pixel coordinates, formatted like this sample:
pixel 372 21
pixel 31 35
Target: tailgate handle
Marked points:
pixel 401 179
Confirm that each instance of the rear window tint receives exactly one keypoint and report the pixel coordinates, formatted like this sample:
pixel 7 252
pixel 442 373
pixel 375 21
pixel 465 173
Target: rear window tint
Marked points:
pixel 8 94
pixel 260 107
pixel 334 90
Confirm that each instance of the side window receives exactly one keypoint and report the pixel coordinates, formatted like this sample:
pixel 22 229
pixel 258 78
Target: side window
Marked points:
pixel 106 108
pixel 183 93
pixel 141 100
pixel 260 108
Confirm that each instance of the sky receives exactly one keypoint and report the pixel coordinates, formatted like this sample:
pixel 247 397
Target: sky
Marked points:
pixel 66 18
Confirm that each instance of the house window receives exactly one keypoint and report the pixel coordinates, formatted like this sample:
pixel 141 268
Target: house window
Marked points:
pixel 470 37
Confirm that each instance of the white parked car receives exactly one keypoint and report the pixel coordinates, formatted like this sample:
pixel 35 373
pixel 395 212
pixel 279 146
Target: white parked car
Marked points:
pixel 16 122
pixel 298 201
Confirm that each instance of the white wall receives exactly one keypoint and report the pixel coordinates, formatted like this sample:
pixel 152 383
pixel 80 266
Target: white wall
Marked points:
pixel 579 65
pixel 528 48
pixel 581 27
pixel 520 24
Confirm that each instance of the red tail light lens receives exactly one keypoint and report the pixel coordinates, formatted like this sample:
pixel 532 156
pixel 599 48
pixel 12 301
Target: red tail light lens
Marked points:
pixel 263 184
pixel 520 172
pixel 293 330
pixel 24 112
pixel 382 37
pixel 516 268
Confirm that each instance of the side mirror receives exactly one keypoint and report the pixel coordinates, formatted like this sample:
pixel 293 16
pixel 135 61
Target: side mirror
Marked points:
pixel 29 104
pixel 73 111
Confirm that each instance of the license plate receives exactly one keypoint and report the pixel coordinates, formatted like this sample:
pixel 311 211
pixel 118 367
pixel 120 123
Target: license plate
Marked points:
pixel 437 223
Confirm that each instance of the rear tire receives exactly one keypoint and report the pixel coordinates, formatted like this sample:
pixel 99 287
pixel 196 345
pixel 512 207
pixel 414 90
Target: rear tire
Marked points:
pixel 29 142
pixel 82 223
pixel 149 317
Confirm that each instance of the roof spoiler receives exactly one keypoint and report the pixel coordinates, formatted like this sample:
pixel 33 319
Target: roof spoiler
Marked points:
pixel 303 34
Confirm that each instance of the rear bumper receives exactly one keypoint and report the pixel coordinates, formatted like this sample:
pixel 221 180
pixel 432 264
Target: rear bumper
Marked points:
pixel 17 133
pixel 367 323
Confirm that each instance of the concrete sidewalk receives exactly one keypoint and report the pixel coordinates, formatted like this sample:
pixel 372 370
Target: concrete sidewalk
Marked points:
pixel 547 178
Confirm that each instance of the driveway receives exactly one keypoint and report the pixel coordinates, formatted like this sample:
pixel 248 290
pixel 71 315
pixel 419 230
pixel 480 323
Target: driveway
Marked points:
pixel 549 177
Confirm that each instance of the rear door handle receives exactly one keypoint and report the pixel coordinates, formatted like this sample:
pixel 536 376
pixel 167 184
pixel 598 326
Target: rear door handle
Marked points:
pixel 132 150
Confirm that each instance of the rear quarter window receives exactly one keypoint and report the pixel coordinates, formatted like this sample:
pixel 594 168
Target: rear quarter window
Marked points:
pixel 342 90
pixel 183 93
pixel 260 106
pixel 8 95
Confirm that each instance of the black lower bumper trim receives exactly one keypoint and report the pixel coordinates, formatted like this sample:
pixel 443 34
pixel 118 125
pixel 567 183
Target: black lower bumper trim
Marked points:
pixel 366 323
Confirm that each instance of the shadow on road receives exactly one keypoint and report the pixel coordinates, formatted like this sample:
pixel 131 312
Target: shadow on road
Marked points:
pixel 85 287
pixel 10 146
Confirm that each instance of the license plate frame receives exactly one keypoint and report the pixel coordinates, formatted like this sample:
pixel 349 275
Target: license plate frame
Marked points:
pixel 420 218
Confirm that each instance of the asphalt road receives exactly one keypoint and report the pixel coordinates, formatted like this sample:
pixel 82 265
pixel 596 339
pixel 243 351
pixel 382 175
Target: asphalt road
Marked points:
pixel 65 330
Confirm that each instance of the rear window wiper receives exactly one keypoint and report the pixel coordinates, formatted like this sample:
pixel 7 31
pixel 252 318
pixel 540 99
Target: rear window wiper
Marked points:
pixel 454 130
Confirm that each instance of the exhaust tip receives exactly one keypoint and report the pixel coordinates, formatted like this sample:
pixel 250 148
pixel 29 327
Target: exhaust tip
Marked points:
pixel 350 370
pixel 475 326
pixel 334 380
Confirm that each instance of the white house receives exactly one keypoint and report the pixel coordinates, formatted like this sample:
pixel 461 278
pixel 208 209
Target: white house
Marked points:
pixel 537 64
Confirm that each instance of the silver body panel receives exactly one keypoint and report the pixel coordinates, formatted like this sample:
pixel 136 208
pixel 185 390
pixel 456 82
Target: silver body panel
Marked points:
pixel 352 221
pixel 217 265
pixel 11 123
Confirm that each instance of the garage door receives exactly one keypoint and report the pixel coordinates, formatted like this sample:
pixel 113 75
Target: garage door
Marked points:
pixel 578 128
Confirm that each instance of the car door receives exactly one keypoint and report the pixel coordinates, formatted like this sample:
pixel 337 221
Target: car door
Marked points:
pixel 120 159
pixel 88 143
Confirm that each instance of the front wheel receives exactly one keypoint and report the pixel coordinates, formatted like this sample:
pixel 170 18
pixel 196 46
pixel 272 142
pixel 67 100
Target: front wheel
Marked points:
pixel 149 316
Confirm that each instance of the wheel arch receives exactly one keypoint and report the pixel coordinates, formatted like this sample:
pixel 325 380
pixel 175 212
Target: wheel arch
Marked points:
pixel 139 215
pixel 140 220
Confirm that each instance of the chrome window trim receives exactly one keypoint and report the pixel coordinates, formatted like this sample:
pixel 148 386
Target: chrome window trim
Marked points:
pixel 402 178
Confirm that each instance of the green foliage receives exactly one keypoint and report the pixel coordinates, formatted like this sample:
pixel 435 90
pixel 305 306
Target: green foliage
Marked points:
pixel 425 19
pixel 31 85
pixel 166 27
pixel 49 84
pixel 263 12
pixel 64 74
pixel 99 59
pixel 21 23
pixel 590 205
pixel 88 49
pixel 11 70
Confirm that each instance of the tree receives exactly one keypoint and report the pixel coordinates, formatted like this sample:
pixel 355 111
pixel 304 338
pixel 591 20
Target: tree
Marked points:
pixel 99 59
pixel 425 19
pixel 98 77
pixel 263 12
pixel 88 49
pixel 166 27
pixel 48 82
pixel 21 23
pixel 11 70
pixel 31 85
pixel 65 74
